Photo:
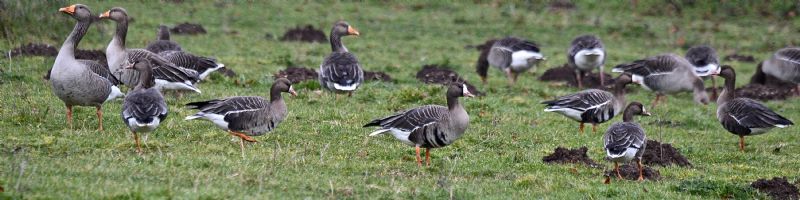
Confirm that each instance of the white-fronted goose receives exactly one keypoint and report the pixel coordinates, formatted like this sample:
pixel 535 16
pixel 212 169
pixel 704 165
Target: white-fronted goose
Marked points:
pixel 705 62
pixel 144 107
pixel 163 42
pixel 340 72
pixel 245 116
pixel 202 65
pixel 743 116
pixel 513 56
pixel 625 141
pixel 785 65
pixel 81 82
pixel 168 75
pixel 584 55
pixel 668 73
pixel 429 126
pixel 592 105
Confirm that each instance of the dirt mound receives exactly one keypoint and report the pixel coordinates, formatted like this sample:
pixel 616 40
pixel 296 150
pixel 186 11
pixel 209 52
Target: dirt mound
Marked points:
pixel 777 188
pixel 98 55
pixel 631 172
pixel 765 92
pixel 664 154
pixel 567 74
pixel 563 156
pixel 561 5
pixel 304 34
pixel 740 58
pixel 297 74
pixel 33 49
pixel 377 76
pixel 187 28
pixel 435 74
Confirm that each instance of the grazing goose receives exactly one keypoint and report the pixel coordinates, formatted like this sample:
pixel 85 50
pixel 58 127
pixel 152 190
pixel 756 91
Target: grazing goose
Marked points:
pixel 592 105
pixel 168 76
pixel 585 54
pixel 163 43
pixel 172 52
pixel 429 126
pixel 705 62
pixel 514 56
pixel 245 116
pixel 625 140
pixel 144 107
pixel 668 73
pixel 743 116
pixel 785 65
pixel 340 71
pixel 81 82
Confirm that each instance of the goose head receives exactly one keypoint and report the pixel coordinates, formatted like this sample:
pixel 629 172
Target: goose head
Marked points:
pixel 78 11
pixel 343 28
pixel 284 85
pixel 459 90
pixel 727 72
pixel 117 14
pixel 637 108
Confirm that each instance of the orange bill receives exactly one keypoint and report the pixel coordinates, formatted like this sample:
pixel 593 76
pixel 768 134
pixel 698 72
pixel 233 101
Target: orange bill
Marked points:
pixel 105 15
pixel 69 9
pixel 352 31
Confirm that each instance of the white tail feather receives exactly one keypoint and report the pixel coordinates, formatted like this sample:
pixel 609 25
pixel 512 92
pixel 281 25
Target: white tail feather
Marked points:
pixel 378 132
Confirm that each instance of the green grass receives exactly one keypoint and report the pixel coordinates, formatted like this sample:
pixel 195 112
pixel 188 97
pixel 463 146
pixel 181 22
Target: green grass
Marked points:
pixel 321 150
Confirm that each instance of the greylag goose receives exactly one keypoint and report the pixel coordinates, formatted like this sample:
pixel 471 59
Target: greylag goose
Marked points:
pixel 245 116
pixel 513 56
pixel 585 54
pixel 168 76
pixel 743 116
pixel 429 126
pixel 81 82
pixel 625 141
pixel 668 73
pixel 785 65
pixel 163 42
pixel 705 62
pixel 340 71
pixel 592 105
pixel 144 107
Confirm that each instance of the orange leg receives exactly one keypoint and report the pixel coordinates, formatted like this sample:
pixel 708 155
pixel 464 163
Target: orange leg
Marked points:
pixel 594 128
pixel 581 128
pixel 655 101
pixel 514 77
pixel 616 168
pixel 136 138
pixel 602 79
pixel 419 159
pixel 741 143
pixel 579 79
pixel 510 76
pixel 243 136
pixel 427 157
pixel 69 116
pixel 100 118
pixel 641 171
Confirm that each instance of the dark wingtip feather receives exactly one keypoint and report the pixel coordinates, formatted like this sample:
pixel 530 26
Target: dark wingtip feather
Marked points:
pixel 376 122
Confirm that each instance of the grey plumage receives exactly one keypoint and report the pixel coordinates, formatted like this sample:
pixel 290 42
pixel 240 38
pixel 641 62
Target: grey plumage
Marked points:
pixel 585 43
pixel 592 105
pixel 340 71
pixel 701 57
pixel 144 107
pixel 202 65
pixel 784 65
pixel 163 42
pixel 514 55
pixel 625 141
pixel 668 73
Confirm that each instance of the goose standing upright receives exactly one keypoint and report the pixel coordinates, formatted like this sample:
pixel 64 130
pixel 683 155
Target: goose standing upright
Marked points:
pixel 784 65
pixel 705 62
pixel 626 140
pixel 743 116
pixel 340 72
pixel 163 42
pixel 584 55
pixel 144 107
pixel 592 105
pixel 513 56
pixel 81 82
pixel 168 76
pixel 245 116
pixel 430 126
pixel 668 73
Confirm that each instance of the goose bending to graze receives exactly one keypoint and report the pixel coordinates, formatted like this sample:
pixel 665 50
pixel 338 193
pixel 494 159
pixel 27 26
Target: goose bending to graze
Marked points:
pixel 245 116
pixel 743 116
pixel 81 82
pixel 168 76
pixel 162 42
pixel 430 126
pixel 625 141
pixel 668 73
pixel 513 56
pixel 584 55
pixel 705 62
pixel 784 65
pixel 144 107
pixel 592 105
pixel 340 72
pixel 202 65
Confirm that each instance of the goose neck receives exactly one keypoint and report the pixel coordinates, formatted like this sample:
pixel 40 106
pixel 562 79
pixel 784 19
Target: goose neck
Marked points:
pixel 71 44
pixel 146 79
pixel 336 42
pixel 728 92
pixel 120 34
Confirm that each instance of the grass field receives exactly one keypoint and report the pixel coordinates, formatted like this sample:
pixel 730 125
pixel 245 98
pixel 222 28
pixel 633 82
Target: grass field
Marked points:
pixel 321 150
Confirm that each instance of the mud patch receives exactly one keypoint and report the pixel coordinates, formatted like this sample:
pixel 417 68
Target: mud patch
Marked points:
pixel 305 33
pixel 631 172
pixel 377 76
pixel 740 58
pixel 561 5
pixel 33 49
pixel 663 154
pixel 567 74
pixel 94 54
pixel 777 188
pixel 297 74
pixel 565 156
pixel 765 92
pixel 435 74
pixel 187 28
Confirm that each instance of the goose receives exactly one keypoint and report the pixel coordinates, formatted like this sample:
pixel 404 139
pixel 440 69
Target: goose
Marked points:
pixel 168 76
pixel 591 105
pixel 81 82
pixel 584 55
pixel 705 62
pixel 144 107
pixel 429 126
pixel 172 52
pixel 340 72
pixel 245 116
pixel 784 65
pixel 667 73
pixel 626 140
pixel 163 42
pixel 743 116
pixel 514 56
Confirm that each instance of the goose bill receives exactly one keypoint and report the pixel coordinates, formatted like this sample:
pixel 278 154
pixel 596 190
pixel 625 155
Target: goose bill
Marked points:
pixel 69 9
pixel 352 31
pixel 291 91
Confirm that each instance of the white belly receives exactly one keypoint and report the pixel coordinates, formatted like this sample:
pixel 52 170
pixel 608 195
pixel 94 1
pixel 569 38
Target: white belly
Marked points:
pixel 589 59
pixel 626 156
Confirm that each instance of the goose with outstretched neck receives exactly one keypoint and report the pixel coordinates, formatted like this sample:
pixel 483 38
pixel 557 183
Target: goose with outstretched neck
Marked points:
pixel 664 74
pixel 626 140
pixel 81 82
pixel 591 106
pixel 144 107
pixel 340 72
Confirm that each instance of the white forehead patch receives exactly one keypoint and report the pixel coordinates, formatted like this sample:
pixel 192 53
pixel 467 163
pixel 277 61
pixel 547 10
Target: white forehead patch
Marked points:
pixel 464 88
